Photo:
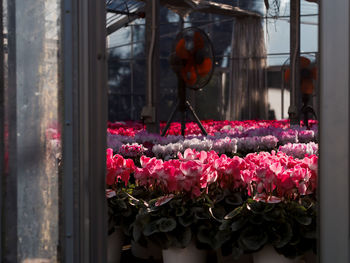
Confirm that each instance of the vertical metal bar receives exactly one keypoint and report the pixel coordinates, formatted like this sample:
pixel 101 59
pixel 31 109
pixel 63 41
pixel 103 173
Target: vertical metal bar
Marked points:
pixel 247 84
pixel 182 102
pixel 132 74
pixel 334 131
pixel 84 72
pixel 282 95
pixel 97 119
pixel 231 93
pixel 2 130
pixel 10 230
pixel 69 234
pixel 294 61
pixel 149 112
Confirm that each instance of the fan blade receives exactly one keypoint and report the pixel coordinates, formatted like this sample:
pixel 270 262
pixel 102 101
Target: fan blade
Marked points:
pixel 287 75
pixel 181 50
pixel 304 62
pixel 188 74
pixel 307 86
pixel 305 73
pixel 204 68
pixel 198 41
pixel 314 73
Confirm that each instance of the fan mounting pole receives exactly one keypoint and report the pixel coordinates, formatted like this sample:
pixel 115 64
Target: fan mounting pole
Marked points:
pixel 182 105
pixel 293 110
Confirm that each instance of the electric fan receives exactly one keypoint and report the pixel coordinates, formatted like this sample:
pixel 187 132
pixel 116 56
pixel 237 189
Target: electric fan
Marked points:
pixel 192 59
pixel 308 75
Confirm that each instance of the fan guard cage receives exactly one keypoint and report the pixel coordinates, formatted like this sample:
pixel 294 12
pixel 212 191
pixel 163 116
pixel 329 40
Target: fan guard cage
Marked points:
pixel 208 52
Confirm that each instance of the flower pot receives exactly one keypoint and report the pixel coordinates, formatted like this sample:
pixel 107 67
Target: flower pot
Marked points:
pixel 152 251
pixel 190 254
pixel 246 258
pixel 310 257
pixel 269 255
pixel 114 246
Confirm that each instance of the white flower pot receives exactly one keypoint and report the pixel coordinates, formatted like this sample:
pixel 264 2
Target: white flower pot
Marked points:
pixel 246 258
pixel 114 246
pixel 269 255
pixel 150 252
pixel 310 257
pixel 190 254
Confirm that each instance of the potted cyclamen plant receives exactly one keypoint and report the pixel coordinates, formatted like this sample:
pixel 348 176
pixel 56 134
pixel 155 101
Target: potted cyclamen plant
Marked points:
pixel 175 214
pixel 120 209
pixel 278 221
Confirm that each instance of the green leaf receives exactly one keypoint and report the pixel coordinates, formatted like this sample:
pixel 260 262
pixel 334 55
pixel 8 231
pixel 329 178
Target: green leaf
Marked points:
pixel 273 215
pixel 150 228
pixel 143 218
pixel 175 203
pixel 136 232
pixel 235 199
pixel 256 219
pixel 269 207
pixel 220 238
pixel 281 233
pixel 303 220
pixel 200 213
pixel 204 236
pixel 218 212
pixel 253 238
pixel 256 207
pixel 180 211
pixel 127 212
pixel 166 224
pixel 186 220
pixel 184 237
pixel 121 204
pixel 234 213
pixel 225 225
pixel 238 224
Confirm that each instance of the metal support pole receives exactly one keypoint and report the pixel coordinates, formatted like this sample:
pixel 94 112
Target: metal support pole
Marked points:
pixel 182 103
pixel 293 110
pixel 200 125
pixel 334 183
pixel 282 95
pixel 149 112
pixel 2 130
pixel 170 119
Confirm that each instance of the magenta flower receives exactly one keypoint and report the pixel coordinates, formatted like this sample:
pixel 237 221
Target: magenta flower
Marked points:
pixel 118 168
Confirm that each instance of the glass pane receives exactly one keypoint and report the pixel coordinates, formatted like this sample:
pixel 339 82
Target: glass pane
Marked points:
pixel 120 37
pixel 32 112
pixel 138 41
pixel 277 35
pixel 309 34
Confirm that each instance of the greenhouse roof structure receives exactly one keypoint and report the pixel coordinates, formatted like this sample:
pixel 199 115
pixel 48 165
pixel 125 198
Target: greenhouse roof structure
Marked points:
pixel 185 7
pixel 124 13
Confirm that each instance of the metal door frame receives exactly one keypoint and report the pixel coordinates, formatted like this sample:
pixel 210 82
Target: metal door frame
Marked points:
pixel 334 131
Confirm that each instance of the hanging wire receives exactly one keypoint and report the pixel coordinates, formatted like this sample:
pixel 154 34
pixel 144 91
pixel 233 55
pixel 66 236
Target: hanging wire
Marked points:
pixel 127 10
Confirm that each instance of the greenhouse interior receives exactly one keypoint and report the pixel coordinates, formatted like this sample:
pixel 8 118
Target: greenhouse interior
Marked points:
pixel 167 131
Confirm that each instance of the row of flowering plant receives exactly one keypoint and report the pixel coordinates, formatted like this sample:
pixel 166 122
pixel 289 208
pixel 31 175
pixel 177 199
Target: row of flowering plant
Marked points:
pixel 299 150
pixel 238 204
pixel 260 174
pixel 227 145
pixel 131 128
